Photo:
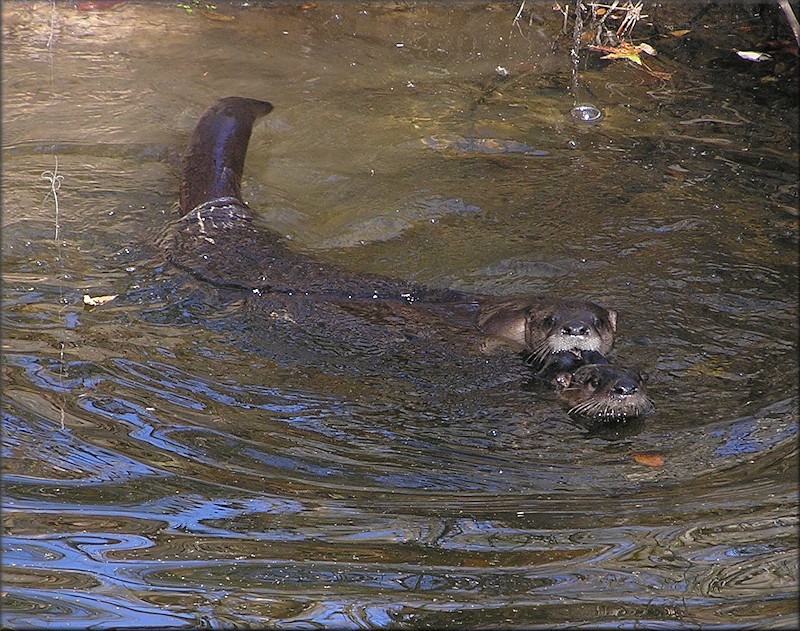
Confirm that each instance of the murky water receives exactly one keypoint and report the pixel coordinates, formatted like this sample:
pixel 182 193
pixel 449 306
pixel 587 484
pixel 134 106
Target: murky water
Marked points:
pixel 172 459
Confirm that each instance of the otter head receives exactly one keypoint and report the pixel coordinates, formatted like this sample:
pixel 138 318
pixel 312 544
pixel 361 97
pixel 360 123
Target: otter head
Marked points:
pixel 543 326
pixel 604 391
pixel 555 326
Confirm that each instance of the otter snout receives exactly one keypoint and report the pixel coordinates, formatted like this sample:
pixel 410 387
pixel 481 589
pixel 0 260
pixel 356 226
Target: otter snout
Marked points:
pixel 578 329
pixel 624 387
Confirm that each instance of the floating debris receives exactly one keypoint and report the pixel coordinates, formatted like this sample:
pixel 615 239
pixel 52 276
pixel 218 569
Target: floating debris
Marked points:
pixel 480 145
pixel 96 301
pixel 752 55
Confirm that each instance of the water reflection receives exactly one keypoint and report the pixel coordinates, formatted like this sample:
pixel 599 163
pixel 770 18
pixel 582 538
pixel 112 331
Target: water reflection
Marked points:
pixel 176 458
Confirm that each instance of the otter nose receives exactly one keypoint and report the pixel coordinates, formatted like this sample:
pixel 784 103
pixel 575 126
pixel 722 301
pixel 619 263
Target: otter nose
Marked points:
pixel 625 387
pixel 575 328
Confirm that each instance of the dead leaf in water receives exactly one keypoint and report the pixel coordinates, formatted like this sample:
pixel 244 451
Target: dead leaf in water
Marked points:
pixel 650 460
pixel 633 53
pixel 96 301
pixel 623 51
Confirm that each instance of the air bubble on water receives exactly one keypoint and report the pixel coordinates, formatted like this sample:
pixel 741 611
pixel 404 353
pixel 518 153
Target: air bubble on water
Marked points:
pixel 586 113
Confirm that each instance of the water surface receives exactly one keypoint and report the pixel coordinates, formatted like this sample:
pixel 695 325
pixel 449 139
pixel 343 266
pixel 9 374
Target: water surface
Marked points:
pixel 178 458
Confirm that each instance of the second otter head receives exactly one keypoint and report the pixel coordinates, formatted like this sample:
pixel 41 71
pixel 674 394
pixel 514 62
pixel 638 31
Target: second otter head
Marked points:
pixel 604 391
pixel 546 325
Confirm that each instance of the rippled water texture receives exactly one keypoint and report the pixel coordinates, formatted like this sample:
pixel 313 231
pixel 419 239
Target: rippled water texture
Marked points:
pixel 183 457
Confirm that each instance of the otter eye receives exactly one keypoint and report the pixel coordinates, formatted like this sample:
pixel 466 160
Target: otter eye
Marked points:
pixel 549 320
pixel 594 382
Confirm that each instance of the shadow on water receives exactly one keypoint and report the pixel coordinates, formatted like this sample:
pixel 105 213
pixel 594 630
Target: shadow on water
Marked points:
pixel 184 456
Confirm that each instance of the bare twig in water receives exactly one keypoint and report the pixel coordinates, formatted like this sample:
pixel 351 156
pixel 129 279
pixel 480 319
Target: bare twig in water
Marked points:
pixel 517 16
pixel 55 184
pixel 791 18
pixel 629 13
pixel 52 25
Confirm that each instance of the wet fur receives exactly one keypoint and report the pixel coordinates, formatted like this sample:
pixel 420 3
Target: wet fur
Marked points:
pixel 542 325
pixel 604 391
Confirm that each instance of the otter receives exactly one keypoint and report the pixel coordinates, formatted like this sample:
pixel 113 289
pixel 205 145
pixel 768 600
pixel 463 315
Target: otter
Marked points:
pixel 216 241
pixel 588 385
pixel 602 390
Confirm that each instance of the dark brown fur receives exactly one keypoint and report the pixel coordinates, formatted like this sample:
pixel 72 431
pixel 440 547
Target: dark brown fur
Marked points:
pixel 604 391
pixel 545 325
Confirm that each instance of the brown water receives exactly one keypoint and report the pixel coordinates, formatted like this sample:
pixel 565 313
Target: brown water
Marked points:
pixel 172 461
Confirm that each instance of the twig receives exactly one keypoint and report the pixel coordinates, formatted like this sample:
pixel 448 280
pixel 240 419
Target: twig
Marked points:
pixel 52 25
pixel 791 18
pixel 517 16
pixel 55 183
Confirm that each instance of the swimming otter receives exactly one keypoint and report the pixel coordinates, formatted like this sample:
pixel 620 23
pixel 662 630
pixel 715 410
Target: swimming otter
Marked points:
pixel 216 241
pixel 602 390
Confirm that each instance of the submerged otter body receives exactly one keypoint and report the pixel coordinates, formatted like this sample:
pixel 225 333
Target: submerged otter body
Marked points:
pixel 216 241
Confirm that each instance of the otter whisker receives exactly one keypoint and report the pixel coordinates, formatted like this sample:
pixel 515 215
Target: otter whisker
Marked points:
pixel 584 407
pixel 542 351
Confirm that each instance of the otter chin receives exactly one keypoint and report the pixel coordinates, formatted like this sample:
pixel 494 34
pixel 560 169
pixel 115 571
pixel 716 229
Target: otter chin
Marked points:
pixel 542 326
pixel 604 391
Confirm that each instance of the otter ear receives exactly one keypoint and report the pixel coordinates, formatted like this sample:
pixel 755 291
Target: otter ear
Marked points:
pixel 612 318
pixel 563 380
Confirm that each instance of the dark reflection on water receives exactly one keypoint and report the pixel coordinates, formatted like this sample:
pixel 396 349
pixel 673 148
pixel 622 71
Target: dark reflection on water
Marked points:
pixel 187 457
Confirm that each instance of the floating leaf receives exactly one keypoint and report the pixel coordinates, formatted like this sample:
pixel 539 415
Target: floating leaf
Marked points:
pixel 623 51
pixel 647 49
pixel 651 460
pixel 634 57
pixel 680 33
pixel 96 301
pixel 752 55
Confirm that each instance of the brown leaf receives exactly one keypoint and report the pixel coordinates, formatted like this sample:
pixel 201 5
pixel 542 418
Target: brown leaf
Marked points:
pixel 623 51
pixel 651 460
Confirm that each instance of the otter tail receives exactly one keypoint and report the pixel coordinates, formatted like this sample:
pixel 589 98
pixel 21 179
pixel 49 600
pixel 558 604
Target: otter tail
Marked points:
pixel 214 161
